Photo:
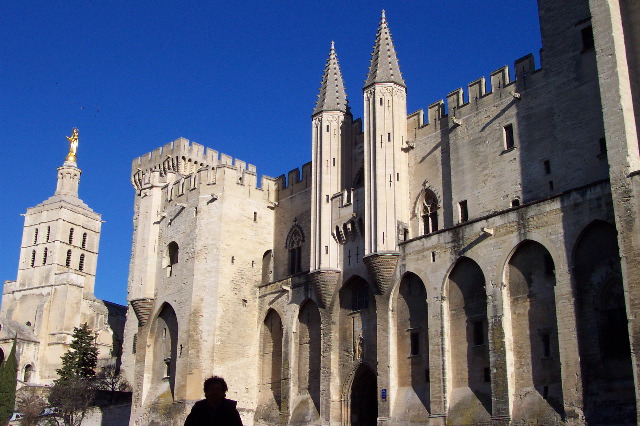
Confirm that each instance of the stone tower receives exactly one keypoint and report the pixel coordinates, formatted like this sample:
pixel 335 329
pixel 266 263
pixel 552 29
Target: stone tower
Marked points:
pixel 386 159
pixel 330 118
pixel 53 292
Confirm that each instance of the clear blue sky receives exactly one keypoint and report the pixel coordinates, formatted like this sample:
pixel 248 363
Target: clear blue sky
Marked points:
pixel 238 76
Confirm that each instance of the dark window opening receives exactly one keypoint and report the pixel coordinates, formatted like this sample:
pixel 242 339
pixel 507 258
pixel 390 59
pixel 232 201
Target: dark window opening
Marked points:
pixel 33 258
pixel 295 260
pixel 550 185
pixel 48 233
pixel 68 261
pixel 547 167
pixel 603 146
pixel 255 216
pixel 84 240
pixel 509 142
pixel 35 236
pixel 464 212
pixel 587 38
pixel 415 343
pixel 430 212
pixel 546 344
pixel 71 236
pixel 487 375
pixel 359 298
pixel 478 332
pixel 81 263
pixel 515 202
pixel 44 256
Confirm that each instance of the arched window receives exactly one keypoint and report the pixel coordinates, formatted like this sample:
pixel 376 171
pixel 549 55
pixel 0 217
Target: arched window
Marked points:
pixel 28 369
pixel 295 239
pixel 267 267
pixel 429 212
pixel 171 257
pixel 33 258
pixel 68 261
pixel 71 236
pixel 48 233
pixel 359 296
pixel 81 263
pixel 44 256
pixel 35 236
pixel 84 240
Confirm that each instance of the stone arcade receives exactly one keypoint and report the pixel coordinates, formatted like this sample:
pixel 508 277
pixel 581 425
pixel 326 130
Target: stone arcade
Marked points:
pixel 472 264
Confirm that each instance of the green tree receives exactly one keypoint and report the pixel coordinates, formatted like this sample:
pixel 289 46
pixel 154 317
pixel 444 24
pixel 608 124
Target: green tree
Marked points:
pixel 81 359
pixel 74 390
pixel 8 382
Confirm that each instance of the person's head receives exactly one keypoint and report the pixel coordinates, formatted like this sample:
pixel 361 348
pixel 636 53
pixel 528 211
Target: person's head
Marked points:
pixel 215 388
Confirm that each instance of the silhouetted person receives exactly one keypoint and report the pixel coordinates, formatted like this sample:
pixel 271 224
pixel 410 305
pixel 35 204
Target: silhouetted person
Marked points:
pixel 215 409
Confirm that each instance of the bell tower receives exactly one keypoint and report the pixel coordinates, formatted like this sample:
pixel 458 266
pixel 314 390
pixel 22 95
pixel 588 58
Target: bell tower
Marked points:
pixel 57 268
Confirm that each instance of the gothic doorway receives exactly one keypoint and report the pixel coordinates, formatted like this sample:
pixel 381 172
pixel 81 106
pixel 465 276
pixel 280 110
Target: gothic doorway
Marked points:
pixel 363 399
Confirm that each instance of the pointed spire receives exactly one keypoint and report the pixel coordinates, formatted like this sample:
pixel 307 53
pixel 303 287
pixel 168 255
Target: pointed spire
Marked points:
pixel 332 96
pixel 384 66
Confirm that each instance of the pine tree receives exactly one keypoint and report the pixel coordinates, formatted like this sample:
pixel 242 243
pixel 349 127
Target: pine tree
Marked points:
pixel 73 391
pixel 81 359
pixel 8 382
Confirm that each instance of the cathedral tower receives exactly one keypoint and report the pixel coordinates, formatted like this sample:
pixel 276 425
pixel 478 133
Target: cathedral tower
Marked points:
pixel 386 158
pixel 53 292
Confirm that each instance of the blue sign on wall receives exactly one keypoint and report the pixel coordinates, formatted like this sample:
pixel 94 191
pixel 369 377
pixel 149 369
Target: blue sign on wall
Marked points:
pixel 383 394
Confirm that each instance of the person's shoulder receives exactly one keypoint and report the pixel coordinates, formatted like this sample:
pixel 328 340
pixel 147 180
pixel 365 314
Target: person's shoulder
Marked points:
pixel 230 402
pixel 200 404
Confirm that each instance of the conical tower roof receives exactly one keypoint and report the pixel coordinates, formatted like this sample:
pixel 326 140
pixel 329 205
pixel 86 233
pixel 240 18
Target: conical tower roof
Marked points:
pixel 332 96
pixel 384 66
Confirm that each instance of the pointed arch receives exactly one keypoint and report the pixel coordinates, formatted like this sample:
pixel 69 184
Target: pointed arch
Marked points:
pixel 468 348
pixel 165 347
pixel 271 360
pixel 537 381
pixel 359 396
pixel 412 346
pixel 603 337
pixel 27 373
pixel 295 240
pixel 358 321
pixel 309 357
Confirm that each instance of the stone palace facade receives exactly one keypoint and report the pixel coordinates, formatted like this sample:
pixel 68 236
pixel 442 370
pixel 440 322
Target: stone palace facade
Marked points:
pixel 475 262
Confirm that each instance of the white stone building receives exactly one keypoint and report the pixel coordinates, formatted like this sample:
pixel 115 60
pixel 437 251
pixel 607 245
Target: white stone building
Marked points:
pixel 54 290
pixel 470 264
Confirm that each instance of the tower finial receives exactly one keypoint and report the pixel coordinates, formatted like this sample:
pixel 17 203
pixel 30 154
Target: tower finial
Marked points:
pixel 384 67
pixel 332 96
pixel 73 146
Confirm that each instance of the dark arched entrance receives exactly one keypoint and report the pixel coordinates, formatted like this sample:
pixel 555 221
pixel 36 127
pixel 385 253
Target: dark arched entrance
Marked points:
pixel 363 398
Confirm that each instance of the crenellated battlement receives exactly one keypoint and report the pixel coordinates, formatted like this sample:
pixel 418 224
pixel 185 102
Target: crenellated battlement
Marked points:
pixel 184 161
pixel 297 180
pixel 477 95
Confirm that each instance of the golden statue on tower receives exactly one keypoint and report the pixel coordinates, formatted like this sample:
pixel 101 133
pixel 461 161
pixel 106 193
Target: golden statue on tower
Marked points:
pixel 73 145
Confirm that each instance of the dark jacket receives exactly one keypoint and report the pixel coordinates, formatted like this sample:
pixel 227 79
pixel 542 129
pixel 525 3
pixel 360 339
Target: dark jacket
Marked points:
pixel 202 414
